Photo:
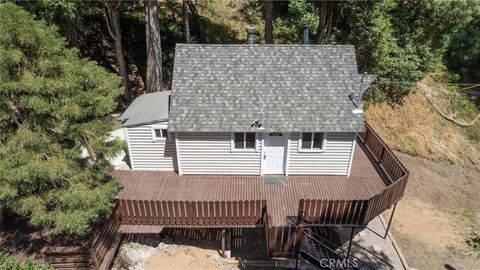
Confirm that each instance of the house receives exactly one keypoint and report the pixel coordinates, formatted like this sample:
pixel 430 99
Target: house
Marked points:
pixel 145 124
pixel 258 136
pixel 251 110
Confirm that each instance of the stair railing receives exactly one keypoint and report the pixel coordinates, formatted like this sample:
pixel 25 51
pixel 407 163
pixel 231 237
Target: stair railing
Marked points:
pixel 339 251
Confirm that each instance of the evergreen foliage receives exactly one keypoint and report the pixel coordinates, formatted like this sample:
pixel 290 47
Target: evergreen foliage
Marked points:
pixel 9 262
pixel 397 40
pixel 288 29
pixel 463 55
pixel 53 105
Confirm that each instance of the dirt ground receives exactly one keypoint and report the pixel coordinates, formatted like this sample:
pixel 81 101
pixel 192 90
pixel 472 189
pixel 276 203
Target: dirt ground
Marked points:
pixel 192 249
pixel 189 258
pixel 440 211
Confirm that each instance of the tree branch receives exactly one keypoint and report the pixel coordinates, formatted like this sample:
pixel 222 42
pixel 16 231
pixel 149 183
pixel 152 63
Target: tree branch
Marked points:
pixel 107 19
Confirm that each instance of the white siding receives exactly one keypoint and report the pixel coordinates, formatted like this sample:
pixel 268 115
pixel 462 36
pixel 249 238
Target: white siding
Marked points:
pixel 146 154
pixel 333 161
pixel 210 153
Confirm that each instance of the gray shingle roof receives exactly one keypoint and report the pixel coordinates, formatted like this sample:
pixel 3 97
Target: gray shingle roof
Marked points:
pixel 147 109
pixel 298 87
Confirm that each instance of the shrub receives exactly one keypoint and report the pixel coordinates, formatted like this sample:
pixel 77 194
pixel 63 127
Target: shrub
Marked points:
pixel 8 261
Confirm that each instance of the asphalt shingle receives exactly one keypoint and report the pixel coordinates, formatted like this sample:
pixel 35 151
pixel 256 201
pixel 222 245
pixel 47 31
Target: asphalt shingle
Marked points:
pixel 298 87
pixel 147 109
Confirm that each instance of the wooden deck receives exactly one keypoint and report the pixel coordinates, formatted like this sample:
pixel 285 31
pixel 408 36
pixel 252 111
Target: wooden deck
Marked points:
pixel 282 201
pixel 151 201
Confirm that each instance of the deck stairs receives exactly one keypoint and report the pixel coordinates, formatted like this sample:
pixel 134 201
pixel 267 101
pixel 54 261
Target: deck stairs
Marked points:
pixel 322 248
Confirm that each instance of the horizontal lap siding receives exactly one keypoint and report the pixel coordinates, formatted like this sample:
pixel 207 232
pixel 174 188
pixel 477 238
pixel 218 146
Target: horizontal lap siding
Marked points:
pixel 148 155
pixel 210 153
pixel 334 161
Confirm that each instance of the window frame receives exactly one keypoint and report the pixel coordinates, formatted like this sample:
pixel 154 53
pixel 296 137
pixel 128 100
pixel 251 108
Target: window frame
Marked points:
pixel 232 143
pixel 314 150
pixel 153 134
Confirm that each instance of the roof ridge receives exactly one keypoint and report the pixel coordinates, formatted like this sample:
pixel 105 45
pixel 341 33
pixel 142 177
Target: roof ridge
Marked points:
pixel 263 45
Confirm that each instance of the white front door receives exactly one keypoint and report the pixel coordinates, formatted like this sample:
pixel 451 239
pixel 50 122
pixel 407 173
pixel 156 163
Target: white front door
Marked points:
pixel 274 152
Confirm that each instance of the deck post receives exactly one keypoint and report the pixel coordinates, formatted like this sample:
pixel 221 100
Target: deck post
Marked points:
pixel 296 261
pixel 366 135
pixel 229 244
pixel 223 243
pixel 390 220
pixel 350 243
pixel 226 243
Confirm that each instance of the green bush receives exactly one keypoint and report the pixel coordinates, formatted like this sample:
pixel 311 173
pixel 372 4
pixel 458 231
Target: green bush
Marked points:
pixel 9 262
pixel 463 52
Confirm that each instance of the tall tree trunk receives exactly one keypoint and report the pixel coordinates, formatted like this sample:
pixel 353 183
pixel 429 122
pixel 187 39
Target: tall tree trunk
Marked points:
pixel 113 24
pixel 197 22
pixel 154 47
pixel 268 5
pixel 186 24
pixel 325 19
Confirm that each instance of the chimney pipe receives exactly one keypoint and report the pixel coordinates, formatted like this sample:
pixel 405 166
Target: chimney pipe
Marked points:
pixel 305 33
pixel 250 35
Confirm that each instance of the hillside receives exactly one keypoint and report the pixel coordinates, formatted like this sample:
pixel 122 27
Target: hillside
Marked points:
pixel 416 128
pixel 438 215
pixel 440 211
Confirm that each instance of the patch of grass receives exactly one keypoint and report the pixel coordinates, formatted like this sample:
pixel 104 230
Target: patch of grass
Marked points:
pixel 225 21
pixel 473 132
pixel 415 127
pixel 463 106
pixel 474 243
pixel 470 216
pixel 406 145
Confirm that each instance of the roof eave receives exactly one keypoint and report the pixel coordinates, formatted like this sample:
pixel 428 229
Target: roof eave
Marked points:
pixel 151 122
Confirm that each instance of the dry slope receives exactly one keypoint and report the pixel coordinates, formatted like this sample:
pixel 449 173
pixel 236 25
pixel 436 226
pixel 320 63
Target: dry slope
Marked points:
pixel 415 128
pixel 441 207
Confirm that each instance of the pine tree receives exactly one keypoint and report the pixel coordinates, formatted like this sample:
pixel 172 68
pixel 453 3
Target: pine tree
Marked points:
pixel 53 105
pixel 268 16
pixel 154 46
pixel 112 18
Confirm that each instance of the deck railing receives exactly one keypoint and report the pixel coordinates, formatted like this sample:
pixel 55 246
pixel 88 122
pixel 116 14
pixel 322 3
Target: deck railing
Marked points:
pixel 106 242
pixel 381 154
pixel 332 212
pixel 360 259
pixel 359 213
pixel 390 168
pixel 193 214
pixel 97 255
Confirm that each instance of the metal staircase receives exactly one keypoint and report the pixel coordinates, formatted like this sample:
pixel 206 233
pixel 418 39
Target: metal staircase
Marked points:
pixel 321 247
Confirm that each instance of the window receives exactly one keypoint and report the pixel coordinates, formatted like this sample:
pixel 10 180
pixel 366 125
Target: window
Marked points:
pixel 159 133
pixel 313 141
pixel 244 140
